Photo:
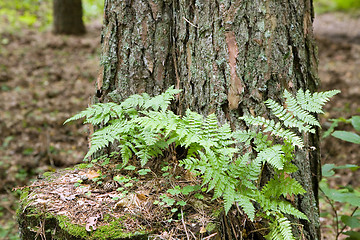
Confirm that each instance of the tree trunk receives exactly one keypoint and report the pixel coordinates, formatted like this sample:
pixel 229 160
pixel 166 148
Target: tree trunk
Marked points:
pixel 68 17
pixel 228 56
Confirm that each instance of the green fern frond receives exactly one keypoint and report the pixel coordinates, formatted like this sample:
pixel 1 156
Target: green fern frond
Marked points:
pixel 216 175
pixel 272 155
pixel 281 186
pixel 294 107
pixel 246 204
pixel 162 101
pixel 288 118
pixel 96 114
pixel 286 208
pixel 314 102
pixel 280 229
pixel 253 169
pixel 244 136
pixel 101 139
pixel 134 101
pixel 275 129
pixel 230 163
pixel 79 115
pixel 126 152
pixel 229 197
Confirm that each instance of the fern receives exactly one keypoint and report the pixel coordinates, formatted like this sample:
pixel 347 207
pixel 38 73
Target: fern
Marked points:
pixel 281 186
pixel 314 102
pixel 280 230
pixel 274 128
pixel 230 163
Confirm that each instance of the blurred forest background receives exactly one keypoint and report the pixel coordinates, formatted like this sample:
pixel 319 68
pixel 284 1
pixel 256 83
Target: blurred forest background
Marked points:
pixel 46 78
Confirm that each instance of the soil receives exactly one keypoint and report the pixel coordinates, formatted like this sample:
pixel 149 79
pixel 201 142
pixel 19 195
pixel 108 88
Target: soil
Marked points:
pixel 46 78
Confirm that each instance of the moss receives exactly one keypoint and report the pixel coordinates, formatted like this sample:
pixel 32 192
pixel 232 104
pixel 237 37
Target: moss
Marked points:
pixel 113 230
pixel 78 166
pixel 47 174
pixel 72 229
pixel 82 166
pixel 60 227
pixel 211 227
pixel 216 212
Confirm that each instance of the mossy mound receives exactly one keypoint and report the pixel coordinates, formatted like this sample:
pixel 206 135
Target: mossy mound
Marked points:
pixel 47 226
pixel 69 205
pixel 48 211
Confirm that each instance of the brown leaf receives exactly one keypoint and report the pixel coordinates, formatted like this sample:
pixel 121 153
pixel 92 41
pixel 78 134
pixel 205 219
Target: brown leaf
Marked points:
pixel 92 174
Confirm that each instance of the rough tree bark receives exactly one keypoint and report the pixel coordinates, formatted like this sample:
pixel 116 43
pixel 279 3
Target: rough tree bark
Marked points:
pixel 228 56
pixel 68 17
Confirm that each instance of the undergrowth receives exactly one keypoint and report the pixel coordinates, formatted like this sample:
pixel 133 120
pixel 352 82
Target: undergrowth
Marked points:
pixel 343 201
pixel 350 6
pixel 230 163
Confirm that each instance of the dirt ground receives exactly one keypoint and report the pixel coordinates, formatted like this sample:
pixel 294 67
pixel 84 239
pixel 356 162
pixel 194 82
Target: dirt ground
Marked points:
pixel 44 79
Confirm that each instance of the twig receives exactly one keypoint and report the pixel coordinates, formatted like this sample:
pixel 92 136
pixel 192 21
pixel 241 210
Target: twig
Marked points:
pixel 210 236
pixel 335 212
pixel 42 185
pixel 190 23
pixel 182 219
pixel 257 230
pixel 343 228
pixel 176 69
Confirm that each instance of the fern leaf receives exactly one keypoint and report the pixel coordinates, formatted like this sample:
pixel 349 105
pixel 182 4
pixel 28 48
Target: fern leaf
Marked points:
pixel 133 101
pixel 78 116
pixel 282 186
pixel 288 118
pixel 229 197
pixel 144 154
pixel 161 101
pixel 314 102
pixel 287 208
pixel 244 136
pixel 280 229
pixel 295 108
pixel 254 169
pixel 126 153
pixel 275 129
pixel 246 205
pixel 273 155
pixel 101 139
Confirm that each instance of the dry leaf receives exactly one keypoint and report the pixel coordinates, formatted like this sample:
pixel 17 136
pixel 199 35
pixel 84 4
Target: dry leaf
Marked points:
pixel 92 174
pixel 141 196
pixel 91 222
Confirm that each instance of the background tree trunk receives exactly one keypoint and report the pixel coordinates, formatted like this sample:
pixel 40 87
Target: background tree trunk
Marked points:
pixel 228 56
pixel 68 17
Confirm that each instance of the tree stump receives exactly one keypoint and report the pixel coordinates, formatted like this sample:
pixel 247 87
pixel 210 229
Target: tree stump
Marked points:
pixel 58 207
pixel 70 205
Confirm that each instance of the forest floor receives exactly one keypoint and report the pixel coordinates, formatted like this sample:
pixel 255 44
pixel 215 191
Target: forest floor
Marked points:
pixel 44 79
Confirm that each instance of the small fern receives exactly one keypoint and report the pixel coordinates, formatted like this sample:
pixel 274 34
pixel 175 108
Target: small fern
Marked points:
pixel 144 127
pixel 280 230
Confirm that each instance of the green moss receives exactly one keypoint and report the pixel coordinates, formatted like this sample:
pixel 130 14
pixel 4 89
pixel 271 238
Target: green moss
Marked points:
pixel 72 229
pixel 47 174
pixel 114 230
pixel 82 166
pixel 211 227
pixel 78 166
pixel 216 212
